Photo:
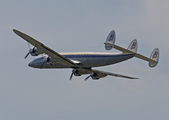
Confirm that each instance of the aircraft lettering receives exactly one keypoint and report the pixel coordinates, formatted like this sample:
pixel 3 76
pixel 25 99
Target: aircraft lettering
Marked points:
pixel 155 55
pixel 111 37
pixel 133 45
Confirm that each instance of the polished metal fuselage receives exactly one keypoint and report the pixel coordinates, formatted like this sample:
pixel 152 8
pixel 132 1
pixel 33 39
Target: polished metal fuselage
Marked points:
pixel 86 60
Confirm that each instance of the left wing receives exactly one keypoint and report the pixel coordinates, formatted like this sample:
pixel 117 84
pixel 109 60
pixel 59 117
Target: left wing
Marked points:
pixel 96 74
pixel 103 73
pixel 56 57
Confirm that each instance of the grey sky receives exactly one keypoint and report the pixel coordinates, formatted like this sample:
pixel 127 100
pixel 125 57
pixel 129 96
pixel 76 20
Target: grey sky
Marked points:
pixel 80 26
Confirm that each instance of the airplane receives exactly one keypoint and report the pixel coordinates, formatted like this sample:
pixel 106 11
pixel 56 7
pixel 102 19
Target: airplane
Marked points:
pixel 82 62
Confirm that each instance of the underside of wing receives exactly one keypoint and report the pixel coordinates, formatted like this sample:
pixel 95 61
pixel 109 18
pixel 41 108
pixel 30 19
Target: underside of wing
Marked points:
pixel 96 74
pixel 103 73
pixel 56 57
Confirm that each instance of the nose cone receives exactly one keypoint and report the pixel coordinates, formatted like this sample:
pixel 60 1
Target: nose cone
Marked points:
pixel 36 63
pixel 31 64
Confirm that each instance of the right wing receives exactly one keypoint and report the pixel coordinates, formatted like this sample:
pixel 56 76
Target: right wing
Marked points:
pixel 54 55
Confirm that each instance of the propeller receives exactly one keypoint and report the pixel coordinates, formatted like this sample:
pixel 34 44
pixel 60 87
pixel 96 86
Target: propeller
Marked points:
pixel 87 77
pixel 26 55
pixel 71 76
pixel 30 51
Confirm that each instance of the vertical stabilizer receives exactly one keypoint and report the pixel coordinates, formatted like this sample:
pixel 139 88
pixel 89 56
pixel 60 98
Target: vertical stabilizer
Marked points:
pixel 154 56
pixel 110 41
pixel 133 46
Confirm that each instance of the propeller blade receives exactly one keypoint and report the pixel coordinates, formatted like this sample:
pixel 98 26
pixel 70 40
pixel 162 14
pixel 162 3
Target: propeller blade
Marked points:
pixel 28 52
pixel 71 76
pixel 26 55
pixel 87 78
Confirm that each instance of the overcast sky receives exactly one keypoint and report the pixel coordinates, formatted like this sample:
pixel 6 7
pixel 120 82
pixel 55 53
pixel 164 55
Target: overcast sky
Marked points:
pixel 82 26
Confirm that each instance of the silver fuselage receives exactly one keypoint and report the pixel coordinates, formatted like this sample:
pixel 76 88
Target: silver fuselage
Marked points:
pixel 86 60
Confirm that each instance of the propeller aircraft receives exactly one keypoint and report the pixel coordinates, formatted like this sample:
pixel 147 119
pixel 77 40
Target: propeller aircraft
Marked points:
pixel 82 62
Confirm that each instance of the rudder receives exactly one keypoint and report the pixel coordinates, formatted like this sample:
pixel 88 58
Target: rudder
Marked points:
pixel 133 46
pixel 154 56
pixel 110 41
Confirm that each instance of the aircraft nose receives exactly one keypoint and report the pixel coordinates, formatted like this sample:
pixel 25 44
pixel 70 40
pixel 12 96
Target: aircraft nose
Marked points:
pixel 36 63
pixel 30 64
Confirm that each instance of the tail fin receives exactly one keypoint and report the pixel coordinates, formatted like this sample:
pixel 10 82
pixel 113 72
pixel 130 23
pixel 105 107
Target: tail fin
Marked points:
pixel 110 41
pixel 131 49
pixel 153 60
pixel 154 56
pixel 133 46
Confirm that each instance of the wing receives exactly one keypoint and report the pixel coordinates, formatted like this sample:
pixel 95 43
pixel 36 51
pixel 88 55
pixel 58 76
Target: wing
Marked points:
pixel 103 73
pixel 54 55
pixel 96 74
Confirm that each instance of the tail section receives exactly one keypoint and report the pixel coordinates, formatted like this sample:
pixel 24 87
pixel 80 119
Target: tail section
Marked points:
pixel 110 41
pixel 132 49
pixel 133 46
pixel 153 60
pixel 154 56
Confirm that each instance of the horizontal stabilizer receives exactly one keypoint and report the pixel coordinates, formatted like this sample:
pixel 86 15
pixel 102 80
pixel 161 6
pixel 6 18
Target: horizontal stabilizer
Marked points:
pixel 153 60
pixel 131 49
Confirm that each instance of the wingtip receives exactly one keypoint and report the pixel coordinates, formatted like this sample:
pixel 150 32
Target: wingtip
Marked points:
pixel 15 31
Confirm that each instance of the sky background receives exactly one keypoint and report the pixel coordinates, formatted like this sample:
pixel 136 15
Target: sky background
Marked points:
pixel 82 26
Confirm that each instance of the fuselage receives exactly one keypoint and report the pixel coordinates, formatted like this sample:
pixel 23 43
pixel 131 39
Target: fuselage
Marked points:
pixel 88 59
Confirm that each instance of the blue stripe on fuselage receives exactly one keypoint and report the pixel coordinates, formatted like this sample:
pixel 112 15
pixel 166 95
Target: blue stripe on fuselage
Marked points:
pixel 96 56
pixel 95 60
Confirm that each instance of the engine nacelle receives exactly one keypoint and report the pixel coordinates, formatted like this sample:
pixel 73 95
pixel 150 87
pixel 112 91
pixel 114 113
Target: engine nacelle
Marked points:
pixel 46 59
pixel 94 76
pixel 76 72
pixel 35 52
